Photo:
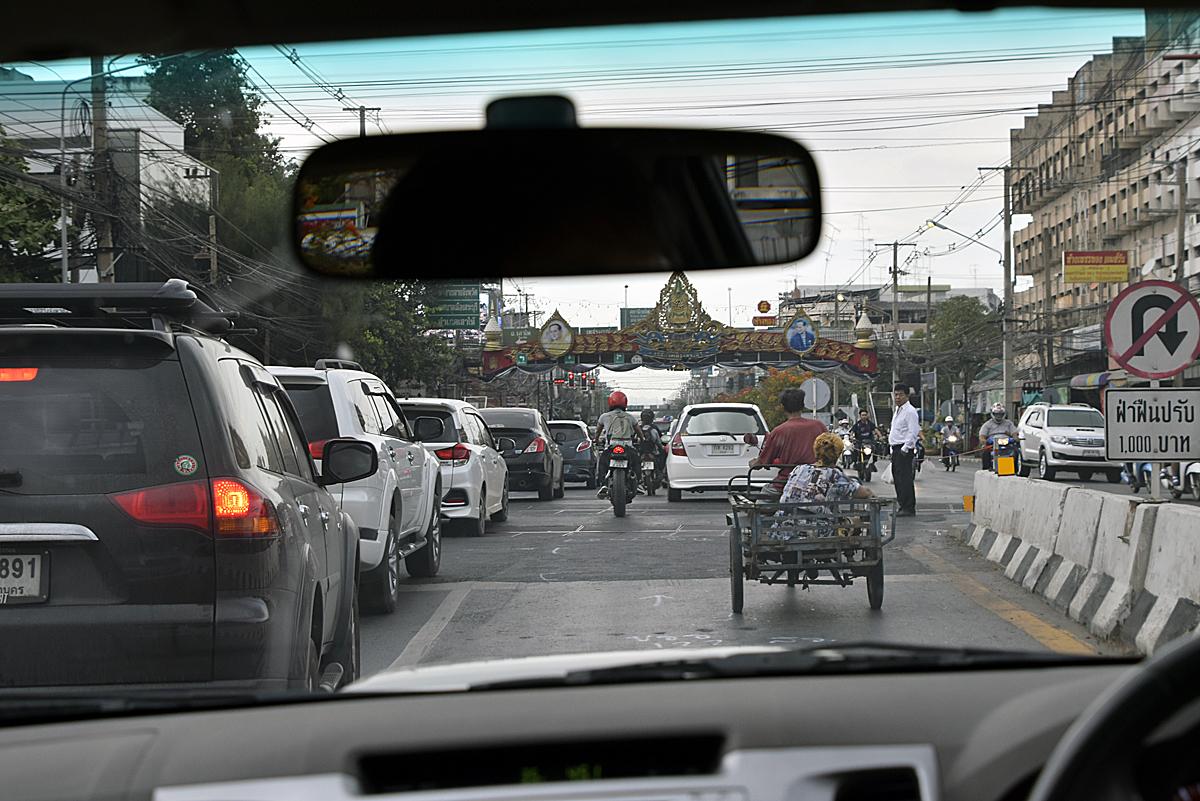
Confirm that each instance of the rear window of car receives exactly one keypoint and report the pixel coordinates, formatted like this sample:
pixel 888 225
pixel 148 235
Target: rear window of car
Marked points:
pixel 411 413
pixel 314 406
pixel 75 428
pixel 723 421
pixel 1074 418
pixel 573 433
pixel 502 418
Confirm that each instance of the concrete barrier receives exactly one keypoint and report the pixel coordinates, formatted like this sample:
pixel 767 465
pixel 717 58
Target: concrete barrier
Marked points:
pixel 1168 603
pixel 1123 567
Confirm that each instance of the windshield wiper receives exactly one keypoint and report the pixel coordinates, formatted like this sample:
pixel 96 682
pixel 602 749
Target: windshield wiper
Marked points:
pixel 818 660
pixel 21 707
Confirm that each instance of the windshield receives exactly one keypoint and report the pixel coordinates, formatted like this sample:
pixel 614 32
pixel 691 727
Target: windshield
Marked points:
pixel 722 421
pixel 936 134
pixel 1075 418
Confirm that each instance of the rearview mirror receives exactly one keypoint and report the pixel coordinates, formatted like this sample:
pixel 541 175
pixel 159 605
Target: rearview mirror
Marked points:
pixel 506 444
pixel 428 429
pixel 346 460
pixel 512 200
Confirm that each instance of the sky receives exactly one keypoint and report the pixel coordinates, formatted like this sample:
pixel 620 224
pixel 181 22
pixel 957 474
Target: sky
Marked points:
pixel 899 111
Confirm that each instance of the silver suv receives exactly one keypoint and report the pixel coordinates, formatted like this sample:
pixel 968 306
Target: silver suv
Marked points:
pixel 1070 437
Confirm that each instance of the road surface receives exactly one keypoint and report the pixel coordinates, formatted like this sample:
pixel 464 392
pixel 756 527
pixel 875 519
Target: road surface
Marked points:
pixel 566 576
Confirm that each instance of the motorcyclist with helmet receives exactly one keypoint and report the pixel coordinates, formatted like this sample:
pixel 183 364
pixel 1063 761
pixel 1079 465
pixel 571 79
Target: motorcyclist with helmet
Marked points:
pixel 998 424
pixel 951 448
pixel 617 426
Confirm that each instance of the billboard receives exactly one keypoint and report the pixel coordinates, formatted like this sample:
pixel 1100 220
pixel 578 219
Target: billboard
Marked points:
pixel 1095 266
pixel 629 316
pixel 454 304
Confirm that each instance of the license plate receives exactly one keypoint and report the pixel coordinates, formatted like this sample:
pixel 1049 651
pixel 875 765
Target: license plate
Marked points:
pixel 722 450
pixel 1092 452
pixel 23 578
pixel 618 463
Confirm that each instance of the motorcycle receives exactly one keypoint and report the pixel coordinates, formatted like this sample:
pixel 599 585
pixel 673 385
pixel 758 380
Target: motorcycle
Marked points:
pixel 999 445
pixel 617 479
pixel 864 457
pixel 848 452
pixel 653 473
pixel 1188 480
pixel 919 459
pixel 950 447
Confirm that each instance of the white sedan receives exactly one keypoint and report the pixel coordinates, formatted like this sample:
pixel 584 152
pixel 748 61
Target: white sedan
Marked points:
pixel 707 448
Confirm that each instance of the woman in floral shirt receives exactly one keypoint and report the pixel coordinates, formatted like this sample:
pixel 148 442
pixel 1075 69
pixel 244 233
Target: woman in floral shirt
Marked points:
pixel 823 481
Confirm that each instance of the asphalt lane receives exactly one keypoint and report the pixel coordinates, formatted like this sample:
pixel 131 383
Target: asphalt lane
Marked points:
pixel 566 576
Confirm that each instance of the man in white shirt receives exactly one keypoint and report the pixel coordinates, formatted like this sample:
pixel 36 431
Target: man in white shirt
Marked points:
pixel 906 429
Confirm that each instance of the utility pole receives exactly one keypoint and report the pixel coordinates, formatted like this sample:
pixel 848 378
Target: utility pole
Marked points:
pixel 895 246
pixel 1181 196
pixel 1047 310
pixel 101 167
pixel 362 116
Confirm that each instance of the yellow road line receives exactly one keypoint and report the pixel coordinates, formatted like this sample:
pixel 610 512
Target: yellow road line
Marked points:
pixel 1046 633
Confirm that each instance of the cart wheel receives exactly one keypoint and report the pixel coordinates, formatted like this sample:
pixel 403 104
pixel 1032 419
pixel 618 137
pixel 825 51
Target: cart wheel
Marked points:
pixel 737 570
pixel 875 584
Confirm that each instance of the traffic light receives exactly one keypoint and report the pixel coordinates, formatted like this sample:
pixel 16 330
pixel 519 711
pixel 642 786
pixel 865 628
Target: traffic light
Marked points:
pixel 570 380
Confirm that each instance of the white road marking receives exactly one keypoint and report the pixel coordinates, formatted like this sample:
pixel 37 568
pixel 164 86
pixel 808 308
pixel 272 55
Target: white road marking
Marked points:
pixel 658 599
pixel 420 644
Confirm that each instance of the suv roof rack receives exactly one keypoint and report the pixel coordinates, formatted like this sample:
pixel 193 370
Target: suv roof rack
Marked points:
pixel 144 305
pixel 338 364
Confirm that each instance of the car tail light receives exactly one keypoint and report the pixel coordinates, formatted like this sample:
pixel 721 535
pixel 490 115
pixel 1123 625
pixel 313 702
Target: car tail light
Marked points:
pixel 677 447
pixel 586 445
pixel 618 450
pixel 242 511
pixel 537 446
pixel 458 454
pixel 184 504
pixel 18 373
pixel 317 449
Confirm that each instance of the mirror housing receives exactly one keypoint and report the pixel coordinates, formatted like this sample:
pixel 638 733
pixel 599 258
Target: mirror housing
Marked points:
pixel 506 444
pixel 428 429
pixel 346 460
pixel 555 201
pixel 750 439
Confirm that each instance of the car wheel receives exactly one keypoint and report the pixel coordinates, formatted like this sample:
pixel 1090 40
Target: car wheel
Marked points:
pixel 1114 476
pixel 561 489
pixel 674 495
pixel 476 526
pixel 348 651
pixel 1045 471
pixel 426 562
pixel 591 480
pixel 1085 475
pixel 502 515
pixel 312 667
pixel 381 586
pixel 547 492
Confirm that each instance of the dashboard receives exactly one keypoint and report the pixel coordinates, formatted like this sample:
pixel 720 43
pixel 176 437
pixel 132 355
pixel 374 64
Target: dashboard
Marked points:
pixel 962 736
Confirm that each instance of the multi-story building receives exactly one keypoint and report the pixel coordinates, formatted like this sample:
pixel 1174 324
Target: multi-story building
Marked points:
pixel 1098 168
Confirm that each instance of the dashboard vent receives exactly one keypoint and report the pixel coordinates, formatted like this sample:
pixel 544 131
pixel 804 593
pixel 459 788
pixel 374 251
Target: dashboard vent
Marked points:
pixel 885 784
pixel 537 763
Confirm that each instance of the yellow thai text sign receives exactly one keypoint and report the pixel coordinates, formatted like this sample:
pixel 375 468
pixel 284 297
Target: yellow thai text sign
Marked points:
pixel 1092 266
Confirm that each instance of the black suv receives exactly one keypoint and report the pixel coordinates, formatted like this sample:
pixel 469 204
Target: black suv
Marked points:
pixel 536 463
pixel 161 521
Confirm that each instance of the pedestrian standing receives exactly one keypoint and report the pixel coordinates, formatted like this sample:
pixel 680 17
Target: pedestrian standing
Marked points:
pixel 906 429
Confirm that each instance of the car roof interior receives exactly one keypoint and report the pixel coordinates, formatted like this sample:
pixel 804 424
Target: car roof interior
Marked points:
pixel 83 28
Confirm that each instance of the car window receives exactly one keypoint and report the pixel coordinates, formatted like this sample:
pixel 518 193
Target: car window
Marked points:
pixel 571 433
pixel 1035 419
pixel 402 429
pixel 284 434
pixel 510 418
pixel 364 409
pixel 450 433
pixel 98 426
pixel 723 421
pixel 250 434
pixel 1074 418
pixel 483 434
pixel 314 406
pixel 387 416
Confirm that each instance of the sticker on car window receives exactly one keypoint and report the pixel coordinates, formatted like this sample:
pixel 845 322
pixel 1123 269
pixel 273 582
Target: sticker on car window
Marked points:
pixel 186 464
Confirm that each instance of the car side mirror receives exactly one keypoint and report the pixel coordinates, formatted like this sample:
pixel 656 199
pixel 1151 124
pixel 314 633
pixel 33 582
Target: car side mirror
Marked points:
pixel 750 439
pixel 506 444
pixel 346 460
pixel 428 429
pixel 560 437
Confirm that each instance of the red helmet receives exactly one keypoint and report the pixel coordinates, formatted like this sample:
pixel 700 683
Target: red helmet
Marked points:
pixel 617 400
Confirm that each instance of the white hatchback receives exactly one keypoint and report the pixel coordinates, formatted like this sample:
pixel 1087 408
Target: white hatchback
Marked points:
pixel 474 474
pixel 707 448
pixel 396 509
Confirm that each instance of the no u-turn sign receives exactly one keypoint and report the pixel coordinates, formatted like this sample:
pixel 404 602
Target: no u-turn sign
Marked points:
pixel 1153 329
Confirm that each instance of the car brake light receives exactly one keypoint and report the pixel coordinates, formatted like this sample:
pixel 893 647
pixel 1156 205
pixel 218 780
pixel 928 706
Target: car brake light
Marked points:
pixel 241 511
pixel 677 447
pixel 459 454
pixel 317 449
pixel 18 373
pixel 184 504
pixel 537 446
pixel 584 446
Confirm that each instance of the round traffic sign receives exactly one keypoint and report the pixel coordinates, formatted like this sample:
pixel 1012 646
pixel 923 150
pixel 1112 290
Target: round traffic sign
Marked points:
pixel 1153 329
pixel 817 393
pixel 764 306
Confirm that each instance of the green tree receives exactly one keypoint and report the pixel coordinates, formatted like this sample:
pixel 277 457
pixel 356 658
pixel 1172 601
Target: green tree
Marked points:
pixel 765 394
pixel 28 218
pixel 963 338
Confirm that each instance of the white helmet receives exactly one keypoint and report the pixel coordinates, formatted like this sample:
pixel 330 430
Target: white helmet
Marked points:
pixel 949 420
pixel 997 408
